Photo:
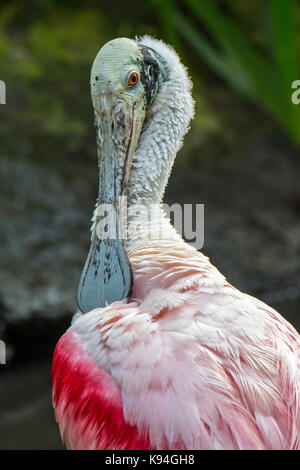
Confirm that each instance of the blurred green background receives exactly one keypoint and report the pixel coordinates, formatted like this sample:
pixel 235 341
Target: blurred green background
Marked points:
pixel 241 159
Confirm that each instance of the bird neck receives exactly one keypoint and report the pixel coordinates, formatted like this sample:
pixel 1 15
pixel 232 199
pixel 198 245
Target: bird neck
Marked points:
pixel 147 225
pixel 166 123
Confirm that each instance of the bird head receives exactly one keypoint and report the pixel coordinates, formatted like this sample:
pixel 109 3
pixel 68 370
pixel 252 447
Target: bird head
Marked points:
pixel 125 78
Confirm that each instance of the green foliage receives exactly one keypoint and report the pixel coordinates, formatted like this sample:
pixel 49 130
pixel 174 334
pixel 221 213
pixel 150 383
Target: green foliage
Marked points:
pixel 265 76
pixel 45 62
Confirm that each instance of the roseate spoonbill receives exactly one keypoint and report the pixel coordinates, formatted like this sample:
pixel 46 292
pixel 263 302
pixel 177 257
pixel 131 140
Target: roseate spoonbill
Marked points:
pixel 165 353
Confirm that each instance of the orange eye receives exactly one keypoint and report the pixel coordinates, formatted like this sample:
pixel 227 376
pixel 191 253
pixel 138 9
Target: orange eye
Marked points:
pixel 133 79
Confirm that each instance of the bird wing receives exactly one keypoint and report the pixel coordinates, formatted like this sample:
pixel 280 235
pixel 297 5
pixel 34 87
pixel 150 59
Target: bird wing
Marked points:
pixel 187 369
pixel 88 402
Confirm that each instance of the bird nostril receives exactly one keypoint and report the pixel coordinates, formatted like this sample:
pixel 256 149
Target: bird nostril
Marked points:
pixel 112 130
pixel 100 134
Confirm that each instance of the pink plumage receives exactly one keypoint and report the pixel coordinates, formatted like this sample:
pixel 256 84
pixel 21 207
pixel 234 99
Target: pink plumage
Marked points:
pixel 88 402
pixel 191 363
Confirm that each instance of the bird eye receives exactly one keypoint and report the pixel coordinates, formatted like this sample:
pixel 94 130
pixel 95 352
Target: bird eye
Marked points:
pixel 133 79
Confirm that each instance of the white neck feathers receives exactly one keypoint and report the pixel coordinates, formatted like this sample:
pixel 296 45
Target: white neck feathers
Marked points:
pixel 167 122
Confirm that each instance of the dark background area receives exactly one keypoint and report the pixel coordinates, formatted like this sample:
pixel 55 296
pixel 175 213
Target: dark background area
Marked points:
pixel 241 159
